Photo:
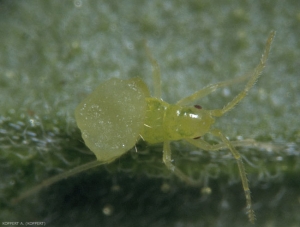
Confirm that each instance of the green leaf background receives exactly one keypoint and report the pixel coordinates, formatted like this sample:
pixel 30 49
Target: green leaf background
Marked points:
pixel 54 53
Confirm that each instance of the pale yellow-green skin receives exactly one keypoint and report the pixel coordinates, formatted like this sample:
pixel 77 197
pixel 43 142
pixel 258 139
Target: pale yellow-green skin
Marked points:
pixel 120 112
pixel 166 122
pixel 115 116
pixel 112 116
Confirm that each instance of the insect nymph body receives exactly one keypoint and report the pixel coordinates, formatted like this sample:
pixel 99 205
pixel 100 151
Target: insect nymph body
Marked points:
pixel 120 112
pixel 167 122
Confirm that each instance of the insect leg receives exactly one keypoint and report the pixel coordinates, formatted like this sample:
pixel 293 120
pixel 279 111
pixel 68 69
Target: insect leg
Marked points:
pixel 257 71
pixel 56 178
pixel 243 143
pixel 155 74
pixel 168 162
pixel 242 172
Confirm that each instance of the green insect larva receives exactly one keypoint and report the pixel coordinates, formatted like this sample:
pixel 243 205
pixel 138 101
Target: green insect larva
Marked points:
pixel 120 112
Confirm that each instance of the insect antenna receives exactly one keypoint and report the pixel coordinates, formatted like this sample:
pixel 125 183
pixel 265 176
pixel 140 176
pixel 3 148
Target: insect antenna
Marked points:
pixel 256 73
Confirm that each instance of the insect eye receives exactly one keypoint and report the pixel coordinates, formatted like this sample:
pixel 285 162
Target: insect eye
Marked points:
pixel 198 107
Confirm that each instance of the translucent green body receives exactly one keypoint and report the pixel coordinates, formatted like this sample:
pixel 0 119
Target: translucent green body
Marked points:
pixel 111 117
pixel 120 112
pixel 167 122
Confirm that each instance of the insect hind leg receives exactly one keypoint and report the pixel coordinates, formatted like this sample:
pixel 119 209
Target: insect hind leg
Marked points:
pixel 57 178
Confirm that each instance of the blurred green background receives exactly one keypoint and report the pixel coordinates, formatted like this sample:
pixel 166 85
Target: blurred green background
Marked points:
pixel 54 53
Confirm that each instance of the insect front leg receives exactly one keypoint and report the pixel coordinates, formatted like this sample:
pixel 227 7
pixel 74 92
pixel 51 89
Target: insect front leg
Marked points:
pixel 242 171
pixel 167 159
pixel 205 145
pixel 221 146
pixel 227 144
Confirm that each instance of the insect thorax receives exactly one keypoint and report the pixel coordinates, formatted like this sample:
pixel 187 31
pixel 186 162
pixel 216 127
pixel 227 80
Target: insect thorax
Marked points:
pixel 165 121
